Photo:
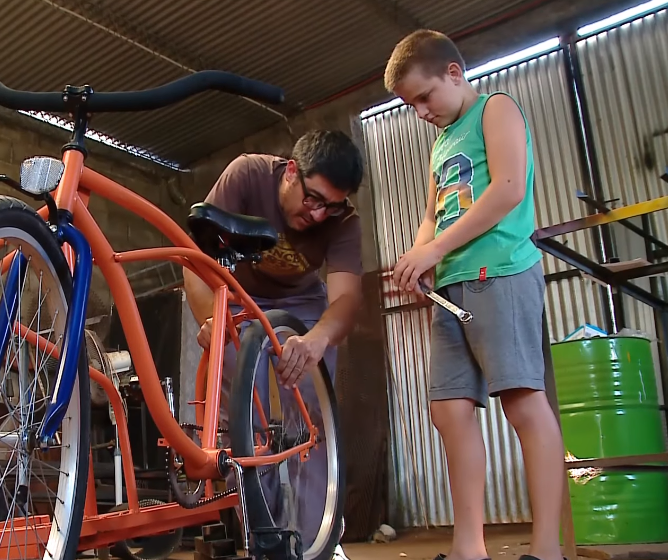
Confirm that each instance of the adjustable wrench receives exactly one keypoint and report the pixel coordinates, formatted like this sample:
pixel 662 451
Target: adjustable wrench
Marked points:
pixel 464 316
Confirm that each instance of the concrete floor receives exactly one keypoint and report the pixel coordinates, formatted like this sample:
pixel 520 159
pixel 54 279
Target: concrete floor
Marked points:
pixel 504 542
pixel 507 542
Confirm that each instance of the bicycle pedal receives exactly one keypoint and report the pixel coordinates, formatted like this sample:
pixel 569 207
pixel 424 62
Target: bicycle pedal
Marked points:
pixel 277 544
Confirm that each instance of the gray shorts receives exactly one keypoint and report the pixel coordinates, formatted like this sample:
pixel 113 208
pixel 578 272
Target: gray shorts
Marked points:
pixel 501 349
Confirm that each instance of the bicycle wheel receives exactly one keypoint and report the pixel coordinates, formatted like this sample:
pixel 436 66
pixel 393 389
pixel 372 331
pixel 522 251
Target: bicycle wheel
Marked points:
pixel 300 496
pixel 42 492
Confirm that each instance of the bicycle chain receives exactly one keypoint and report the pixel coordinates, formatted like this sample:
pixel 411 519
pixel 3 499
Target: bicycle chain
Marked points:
pixel 215 497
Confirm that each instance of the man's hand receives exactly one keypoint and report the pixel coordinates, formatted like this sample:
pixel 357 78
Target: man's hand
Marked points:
pixel 204 334
pixel 300 353
pixel 414 264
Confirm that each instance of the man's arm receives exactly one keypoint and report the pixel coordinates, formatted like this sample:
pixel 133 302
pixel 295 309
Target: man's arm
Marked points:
pixel 198 295
pixel 505 142
pixel 301 353
pixel 344 291
pixel 228 193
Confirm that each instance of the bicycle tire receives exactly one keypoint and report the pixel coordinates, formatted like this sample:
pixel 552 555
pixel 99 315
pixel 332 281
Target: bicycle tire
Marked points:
pixel 242 436
pixel 20 221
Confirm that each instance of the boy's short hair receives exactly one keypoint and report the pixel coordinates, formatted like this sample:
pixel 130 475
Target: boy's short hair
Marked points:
pixel 429 50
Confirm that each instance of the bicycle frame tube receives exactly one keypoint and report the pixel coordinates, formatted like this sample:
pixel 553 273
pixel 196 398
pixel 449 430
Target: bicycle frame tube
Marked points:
pixel 9 301
pixel 74 327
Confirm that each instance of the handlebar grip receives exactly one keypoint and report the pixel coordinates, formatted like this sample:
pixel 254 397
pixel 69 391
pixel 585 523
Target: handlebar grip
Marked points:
pixel 149 99
pixel 49 102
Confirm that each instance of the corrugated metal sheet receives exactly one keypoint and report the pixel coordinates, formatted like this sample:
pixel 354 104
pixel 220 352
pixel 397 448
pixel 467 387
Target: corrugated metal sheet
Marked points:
pixel 398 147
pixel 313 50
pixel 625 86
pixel 440 15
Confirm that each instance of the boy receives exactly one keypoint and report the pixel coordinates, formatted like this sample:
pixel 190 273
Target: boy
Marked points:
pixel 474 248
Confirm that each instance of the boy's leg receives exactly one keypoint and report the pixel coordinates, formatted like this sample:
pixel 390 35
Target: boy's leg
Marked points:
pixel 456 388
pixel 506 340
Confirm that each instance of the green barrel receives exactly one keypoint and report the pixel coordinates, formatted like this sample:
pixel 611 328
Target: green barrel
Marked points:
pixel 609 407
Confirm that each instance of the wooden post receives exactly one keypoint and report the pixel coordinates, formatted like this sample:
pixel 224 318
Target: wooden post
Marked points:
pixel 567 528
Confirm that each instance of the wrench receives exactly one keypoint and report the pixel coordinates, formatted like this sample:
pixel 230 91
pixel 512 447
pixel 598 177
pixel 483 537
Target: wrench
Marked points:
pixel 464 316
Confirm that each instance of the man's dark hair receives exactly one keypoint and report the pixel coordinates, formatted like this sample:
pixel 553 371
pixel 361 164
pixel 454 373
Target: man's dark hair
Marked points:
pixel 332 154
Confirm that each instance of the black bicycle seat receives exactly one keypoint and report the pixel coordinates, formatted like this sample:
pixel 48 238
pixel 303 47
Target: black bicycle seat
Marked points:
pixel 215 230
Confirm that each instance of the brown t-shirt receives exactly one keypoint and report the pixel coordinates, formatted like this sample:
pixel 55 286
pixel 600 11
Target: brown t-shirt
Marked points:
pixel 249 185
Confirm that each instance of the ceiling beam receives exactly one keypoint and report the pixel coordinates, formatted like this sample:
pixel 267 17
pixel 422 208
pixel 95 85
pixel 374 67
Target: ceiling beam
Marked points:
pixel 396 14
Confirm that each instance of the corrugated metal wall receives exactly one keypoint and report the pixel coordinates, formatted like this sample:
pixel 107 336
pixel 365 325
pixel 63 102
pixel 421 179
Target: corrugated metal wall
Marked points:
pixel 398 146
pixel 626 86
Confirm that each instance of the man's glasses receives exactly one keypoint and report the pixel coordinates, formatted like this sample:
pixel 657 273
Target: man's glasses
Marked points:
pixel 314 201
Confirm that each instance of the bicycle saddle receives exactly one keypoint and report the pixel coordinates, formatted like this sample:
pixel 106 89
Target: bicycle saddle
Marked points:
pixel 215 230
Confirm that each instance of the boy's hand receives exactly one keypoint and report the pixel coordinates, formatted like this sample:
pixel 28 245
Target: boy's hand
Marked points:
pixel 414 264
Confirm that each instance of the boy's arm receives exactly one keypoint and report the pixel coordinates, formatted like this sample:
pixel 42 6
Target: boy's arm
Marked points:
pixel 425 233
pixel 505 142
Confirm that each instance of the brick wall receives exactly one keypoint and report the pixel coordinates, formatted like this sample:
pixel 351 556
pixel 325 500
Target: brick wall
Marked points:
pixel 22 137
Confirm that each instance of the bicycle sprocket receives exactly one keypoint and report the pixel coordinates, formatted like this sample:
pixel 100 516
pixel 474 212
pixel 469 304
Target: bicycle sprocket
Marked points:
pixel 178 481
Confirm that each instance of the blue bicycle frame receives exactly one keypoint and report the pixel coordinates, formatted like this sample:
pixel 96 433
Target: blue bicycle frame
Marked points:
pixel 74 326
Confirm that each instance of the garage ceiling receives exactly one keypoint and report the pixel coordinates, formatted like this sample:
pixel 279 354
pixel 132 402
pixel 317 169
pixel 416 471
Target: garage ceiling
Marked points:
pixel 312 49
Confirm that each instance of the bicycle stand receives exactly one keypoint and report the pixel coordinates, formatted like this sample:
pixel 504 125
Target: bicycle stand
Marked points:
pixel 269 544
pixel 214 544
pixel 277 544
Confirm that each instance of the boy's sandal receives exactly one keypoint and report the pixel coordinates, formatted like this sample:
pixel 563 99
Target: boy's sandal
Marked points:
pixel 530 557
pixel 443 557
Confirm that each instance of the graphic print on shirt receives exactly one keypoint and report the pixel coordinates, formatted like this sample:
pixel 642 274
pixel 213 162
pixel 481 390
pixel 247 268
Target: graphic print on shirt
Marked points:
pixel 283 260
pixel 454 192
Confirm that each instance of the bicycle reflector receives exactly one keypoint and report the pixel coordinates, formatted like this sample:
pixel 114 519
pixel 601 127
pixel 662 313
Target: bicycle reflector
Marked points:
pixel 41 175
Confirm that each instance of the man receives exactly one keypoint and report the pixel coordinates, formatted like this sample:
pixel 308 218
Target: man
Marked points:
pixel 306 199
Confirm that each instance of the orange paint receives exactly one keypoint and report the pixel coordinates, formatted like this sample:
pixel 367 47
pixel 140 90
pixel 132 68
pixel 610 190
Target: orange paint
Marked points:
pixel 90 506
pixel 200 388
pixel 215 377
pixel 66 193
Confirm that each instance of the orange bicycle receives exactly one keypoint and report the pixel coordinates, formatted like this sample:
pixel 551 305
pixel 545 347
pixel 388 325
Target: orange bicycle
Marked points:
pixel 48 507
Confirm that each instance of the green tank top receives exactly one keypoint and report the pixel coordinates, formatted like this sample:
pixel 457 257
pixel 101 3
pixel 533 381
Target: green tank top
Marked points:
pixel 460 169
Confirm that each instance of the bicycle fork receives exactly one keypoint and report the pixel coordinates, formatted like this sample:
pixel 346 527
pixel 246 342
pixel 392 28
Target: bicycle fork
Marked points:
pixel 74 328
pixel 74 324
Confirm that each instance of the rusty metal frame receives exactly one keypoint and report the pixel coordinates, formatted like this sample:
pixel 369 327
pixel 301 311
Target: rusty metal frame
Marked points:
pixel 544 240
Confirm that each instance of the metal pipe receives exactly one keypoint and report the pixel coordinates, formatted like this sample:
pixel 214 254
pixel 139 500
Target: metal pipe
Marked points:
pixel 603 242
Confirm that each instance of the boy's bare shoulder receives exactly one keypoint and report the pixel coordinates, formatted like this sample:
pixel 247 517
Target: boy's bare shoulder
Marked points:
pixel 501 107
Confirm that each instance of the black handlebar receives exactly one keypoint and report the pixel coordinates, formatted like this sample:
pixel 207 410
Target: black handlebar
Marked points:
pixel 145 100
